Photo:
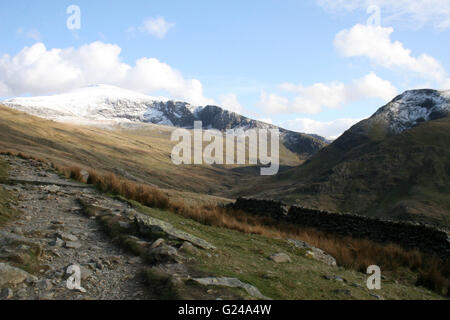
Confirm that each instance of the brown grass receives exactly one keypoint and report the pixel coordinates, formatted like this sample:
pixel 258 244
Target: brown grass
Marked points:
pixel 75 174
pixel 351 253
pixel 436 277
pixel 111 183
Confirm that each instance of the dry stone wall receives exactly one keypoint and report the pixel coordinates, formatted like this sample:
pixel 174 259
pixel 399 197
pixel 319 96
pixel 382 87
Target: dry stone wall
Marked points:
pixel 407 234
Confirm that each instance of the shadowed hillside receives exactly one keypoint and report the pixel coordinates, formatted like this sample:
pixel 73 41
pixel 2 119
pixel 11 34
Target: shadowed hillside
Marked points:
pixel 404 176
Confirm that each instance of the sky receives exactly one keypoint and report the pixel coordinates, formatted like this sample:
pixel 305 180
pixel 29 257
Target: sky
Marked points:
pixel 314 66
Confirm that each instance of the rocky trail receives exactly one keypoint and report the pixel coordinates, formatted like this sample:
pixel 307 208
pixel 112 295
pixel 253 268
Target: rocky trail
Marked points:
pixel 53 220
pixel 120 252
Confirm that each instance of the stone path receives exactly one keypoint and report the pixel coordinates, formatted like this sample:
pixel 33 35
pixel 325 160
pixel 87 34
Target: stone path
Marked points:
pixel 53 219
pixel 64 225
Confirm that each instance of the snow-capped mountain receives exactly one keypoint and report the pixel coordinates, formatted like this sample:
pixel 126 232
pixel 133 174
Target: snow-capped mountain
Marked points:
pixel 93 103
pixel 105 104
pixel 413 107
pixel 402 113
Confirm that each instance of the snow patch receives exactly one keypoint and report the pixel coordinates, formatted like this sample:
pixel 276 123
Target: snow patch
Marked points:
pixel 413 107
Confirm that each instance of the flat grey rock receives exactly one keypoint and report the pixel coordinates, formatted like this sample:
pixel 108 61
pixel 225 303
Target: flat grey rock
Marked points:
pixel 280 258
pixel 333 277
pixel 67 236
pixel 73 245
pixel 153 225
pixel 313 252
pixel 233 283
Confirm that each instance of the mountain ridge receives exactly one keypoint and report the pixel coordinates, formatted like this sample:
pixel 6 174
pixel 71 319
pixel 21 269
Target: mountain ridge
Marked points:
pixel 109 104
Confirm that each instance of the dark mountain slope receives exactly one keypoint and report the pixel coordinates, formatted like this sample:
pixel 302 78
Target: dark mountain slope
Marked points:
pixel 388 165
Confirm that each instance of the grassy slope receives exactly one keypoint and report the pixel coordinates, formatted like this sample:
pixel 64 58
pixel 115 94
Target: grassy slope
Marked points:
pixel 245 256
pixel 406 175
pixel 142 154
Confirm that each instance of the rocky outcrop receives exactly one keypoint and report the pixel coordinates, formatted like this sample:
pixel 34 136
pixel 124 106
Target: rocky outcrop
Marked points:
pixel 7 238
pixel 221 119
pixel 152 226
pixel 171 113
pixel 409 235
pixel 233 283
pixel 164 254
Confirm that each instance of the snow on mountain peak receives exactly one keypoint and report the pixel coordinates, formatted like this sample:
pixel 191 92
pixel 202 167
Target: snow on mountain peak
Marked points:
pixel 413 107
pixel 92 103
pixel 110 91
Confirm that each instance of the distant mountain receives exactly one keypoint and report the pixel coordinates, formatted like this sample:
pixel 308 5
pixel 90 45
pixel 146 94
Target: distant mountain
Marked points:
pixel 104 103
pixel 218 118
pixel 394 164
pixel 404 112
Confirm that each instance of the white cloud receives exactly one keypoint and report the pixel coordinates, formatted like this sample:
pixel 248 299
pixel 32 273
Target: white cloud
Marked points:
pixel 376 44
pixel 370 86
pixel 331 129
pixel 230 102
pixel 273 103
pixel 415 12
pixel 313 98
pixel 38 70
pixel 157 27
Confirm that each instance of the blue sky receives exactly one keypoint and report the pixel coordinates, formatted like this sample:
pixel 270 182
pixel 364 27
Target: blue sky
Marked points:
pixel 314 66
